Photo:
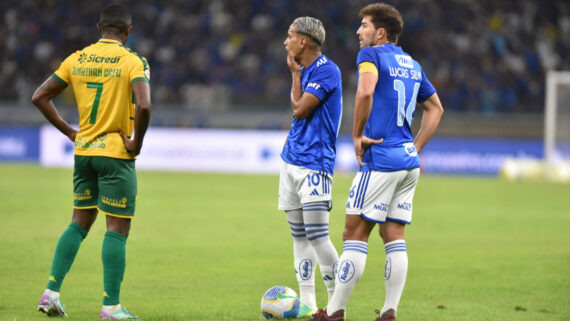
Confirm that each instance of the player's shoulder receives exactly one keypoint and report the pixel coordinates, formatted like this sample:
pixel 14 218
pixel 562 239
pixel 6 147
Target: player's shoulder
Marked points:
pixel 369 49
pixel 81 54
pixel 135 56
pixel 406 60
pixel 325 64
pixel 368 54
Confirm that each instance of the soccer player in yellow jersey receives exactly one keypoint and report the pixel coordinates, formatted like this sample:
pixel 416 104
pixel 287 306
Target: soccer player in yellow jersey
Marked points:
pixel 111 87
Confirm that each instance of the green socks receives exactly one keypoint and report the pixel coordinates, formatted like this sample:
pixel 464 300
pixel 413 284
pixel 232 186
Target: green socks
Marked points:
pixel 114 262
pixel 65 253
pixel 113 255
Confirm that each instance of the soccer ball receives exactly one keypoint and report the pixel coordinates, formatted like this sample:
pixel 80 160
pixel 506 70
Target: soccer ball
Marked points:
pixel 280 302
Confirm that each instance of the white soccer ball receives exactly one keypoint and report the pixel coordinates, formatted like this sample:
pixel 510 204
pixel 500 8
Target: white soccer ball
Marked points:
pixel 280 302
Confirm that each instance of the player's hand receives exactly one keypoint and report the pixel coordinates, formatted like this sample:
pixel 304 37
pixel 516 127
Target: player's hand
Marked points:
pixel 72 136
pixel 291 63
pixel 129 144
pixel 362 144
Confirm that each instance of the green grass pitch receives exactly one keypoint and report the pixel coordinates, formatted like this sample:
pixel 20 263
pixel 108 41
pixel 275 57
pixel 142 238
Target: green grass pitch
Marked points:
pixel 206 247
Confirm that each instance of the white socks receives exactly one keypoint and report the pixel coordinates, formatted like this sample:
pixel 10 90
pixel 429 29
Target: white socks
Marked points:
pixel 328 277
pixel 395 271
pixel 316 219
pixel 111 308
pixel 305 258
pixel 312 244
pixel 350 268
pixel 52 294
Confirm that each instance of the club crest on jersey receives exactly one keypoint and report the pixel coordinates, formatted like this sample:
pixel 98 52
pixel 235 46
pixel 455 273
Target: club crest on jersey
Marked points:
pixel 404 61
pixel 410 149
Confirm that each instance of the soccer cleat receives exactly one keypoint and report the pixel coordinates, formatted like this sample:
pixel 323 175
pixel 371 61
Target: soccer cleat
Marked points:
pixel 51 307
pixel 119 314
pixel 305 311
pixel 321 315
pixel 389 315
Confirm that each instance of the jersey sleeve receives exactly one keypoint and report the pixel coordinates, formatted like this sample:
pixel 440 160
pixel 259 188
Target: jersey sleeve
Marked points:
pixel 426 89
pixel 140 70
pixel 366 54
pixel 367 66
pixel 62 74
pixel 323 81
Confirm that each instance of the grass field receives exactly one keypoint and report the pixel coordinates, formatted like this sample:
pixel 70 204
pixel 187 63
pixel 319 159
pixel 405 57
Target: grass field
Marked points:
pixel 206 247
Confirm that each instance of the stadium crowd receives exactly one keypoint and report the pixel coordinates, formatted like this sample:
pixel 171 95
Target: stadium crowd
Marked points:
pixel 488 56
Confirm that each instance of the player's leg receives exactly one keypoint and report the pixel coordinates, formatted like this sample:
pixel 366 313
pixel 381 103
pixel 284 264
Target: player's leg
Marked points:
pixel 113 255
pixel 351 263
pixel 305 260
pixel 316 218
pixel 304 256
pixel 315 195
pixel 367 205
pixel 392 233
pixel 84 214
pixel 118 190
pixel 357 229
pixel 68 246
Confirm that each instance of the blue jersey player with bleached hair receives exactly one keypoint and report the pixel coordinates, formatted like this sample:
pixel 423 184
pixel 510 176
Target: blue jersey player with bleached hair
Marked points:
pixel 390 83
pixel 305 179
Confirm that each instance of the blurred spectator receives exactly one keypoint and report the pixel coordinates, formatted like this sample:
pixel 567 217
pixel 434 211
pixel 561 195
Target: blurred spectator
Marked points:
pixel 487 56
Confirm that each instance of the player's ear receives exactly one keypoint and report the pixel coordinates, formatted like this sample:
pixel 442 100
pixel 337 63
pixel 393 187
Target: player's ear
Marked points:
pixel 127 32
pixel 306 41
pixel 99 28
pixel 381 33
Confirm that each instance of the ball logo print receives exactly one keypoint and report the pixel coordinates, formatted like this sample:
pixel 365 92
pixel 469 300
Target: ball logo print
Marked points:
pixel 345 271
pixel 280 302
pixel 305 269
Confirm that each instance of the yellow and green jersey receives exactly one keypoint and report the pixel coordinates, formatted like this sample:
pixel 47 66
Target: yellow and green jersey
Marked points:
pixel 101 76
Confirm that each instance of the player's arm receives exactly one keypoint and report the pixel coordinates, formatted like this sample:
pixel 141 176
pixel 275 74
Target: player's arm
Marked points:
pixel 433 110
pixel 362 107
pixel 303 103
pixel 143 108
pixel 42 98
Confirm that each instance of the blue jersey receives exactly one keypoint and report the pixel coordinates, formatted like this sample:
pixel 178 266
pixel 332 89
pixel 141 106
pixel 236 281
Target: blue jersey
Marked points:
pixel 401 82
pixel 311 141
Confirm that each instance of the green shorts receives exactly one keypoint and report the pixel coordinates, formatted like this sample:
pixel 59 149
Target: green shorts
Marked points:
pixel 108 184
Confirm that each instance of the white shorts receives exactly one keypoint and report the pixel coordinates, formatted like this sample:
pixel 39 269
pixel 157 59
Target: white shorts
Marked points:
pixel 380 196
pixel 299 185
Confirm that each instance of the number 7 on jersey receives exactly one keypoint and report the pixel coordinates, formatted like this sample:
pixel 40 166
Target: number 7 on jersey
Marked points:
pixel 99 87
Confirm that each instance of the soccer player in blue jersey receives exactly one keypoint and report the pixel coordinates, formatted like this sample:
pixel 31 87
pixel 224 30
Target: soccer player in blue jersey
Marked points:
pixel 390 83
pixel 305 179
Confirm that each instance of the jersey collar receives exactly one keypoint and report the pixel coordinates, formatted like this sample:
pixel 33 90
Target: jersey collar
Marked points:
pixel 111 41
pixel 314 63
